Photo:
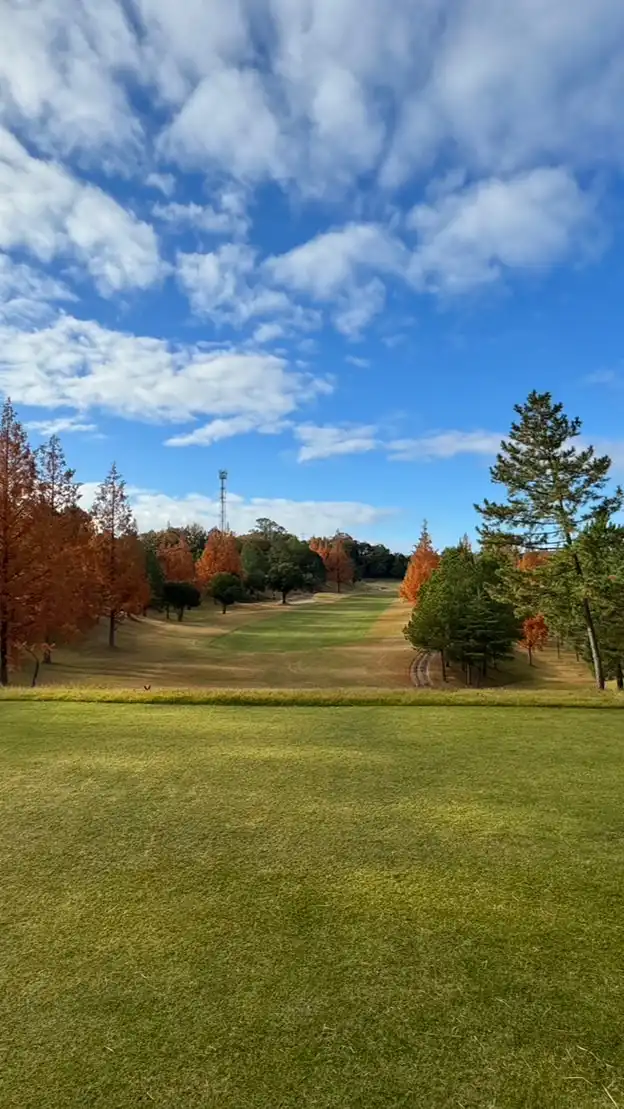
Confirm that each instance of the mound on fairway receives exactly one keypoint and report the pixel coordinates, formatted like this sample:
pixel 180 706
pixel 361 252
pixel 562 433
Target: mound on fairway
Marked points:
pixel 310 908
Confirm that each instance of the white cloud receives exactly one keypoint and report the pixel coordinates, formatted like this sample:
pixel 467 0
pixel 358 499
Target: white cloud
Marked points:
pixel 60 425
pixel 222 284
pixel 61 66
pixel 321 91
pixel 217 430
pixel 323 266
pixel 358 307
pixel 80 365
pixel 513 85
pixel 227 218
pixel 361 363
pixel 268 332
pixel 164 182
pixel 444 444
pixel 183 44
pixel 155 510
pixel 49 213
pixel 227 122
pixel 471 237
pixel 335 268
pixel 227 285
pixel 26 294
pixel 327 442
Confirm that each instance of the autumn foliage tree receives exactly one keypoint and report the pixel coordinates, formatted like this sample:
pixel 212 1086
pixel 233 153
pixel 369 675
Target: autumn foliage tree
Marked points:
pixel 22 547
pixel 338 565
pixel 176 558
pixel 421 565
pixel 220 556
pixel 534 635
pixel 69 605
pixel 120 559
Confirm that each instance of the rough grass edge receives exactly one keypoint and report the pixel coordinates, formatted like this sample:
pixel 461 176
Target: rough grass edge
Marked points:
pixel 495 698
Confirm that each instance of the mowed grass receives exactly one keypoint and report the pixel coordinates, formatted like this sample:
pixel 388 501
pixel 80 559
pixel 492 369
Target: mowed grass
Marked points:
pixel 307 626
pixel 352 641
pixel 355 908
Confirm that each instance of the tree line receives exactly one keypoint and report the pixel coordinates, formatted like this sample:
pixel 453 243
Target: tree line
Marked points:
pixel 63 568
pixel 550 563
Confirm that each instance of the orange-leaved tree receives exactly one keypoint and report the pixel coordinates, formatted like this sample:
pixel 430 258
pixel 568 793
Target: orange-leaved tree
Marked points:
pixel 176 558
pixel 338 564
pixel 220 556
pixel 121 577
pixel 320 547
pixel 22 547
pixel 534 634
pixel 532 560
pixel 420 567
pixel 68 606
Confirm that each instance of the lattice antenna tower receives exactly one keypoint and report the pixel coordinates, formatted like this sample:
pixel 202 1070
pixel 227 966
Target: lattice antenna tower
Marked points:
pixel 223 476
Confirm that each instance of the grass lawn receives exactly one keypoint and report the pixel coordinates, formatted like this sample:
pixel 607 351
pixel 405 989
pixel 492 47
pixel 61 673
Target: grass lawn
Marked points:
pixel 305 908
pixel 352 641
pixel 307 626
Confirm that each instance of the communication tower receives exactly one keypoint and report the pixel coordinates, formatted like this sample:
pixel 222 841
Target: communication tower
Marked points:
pixel 223 499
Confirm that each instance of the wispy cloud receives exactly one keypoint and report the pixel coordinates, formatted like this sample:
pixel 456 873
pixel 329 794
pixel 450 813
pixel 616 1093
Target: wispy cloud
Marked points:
pixel 609 378
pixel 328 442
pixel 61 425
pixel 444 445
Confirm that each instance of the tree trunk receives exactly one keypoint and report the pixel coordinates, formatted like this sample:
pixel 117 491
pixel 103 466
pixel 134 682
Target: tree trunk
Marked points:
pixel 443 666
pixel 530 650
pixel 180 615
pixel 223 608
pixel 284 595
pixel 166 612
pixel 593 645
pixel 591 629
pixel 111 629
pixel 4 652
pixel 47 655
pixel 35 673
pixel 619 677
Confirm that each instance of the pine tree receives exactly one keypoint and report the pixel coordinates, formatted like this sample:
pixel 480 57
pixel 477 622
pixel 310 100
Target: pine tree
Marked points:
pixel 554 490
pixel 458 616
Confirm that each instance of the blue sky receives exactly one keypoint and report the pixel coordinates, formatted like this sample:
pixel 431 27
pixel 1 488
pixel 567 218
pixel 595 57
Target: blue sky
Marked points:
pixel 324 244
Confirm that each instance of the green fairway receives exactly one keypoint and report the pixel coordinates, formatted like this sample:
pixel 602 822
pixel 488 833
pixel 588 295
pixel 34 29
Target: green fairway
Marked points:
pixel 310 908
pixel 307 626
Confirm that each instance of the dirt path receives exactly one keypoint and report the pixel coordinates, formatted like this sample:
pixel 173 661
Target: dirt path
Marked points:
pixel 419 670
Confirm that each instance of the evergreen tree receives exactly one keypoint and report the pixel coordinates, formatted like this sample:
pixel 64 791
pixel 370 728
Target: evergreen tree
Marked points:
pixel 554 490
pixel 458 616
